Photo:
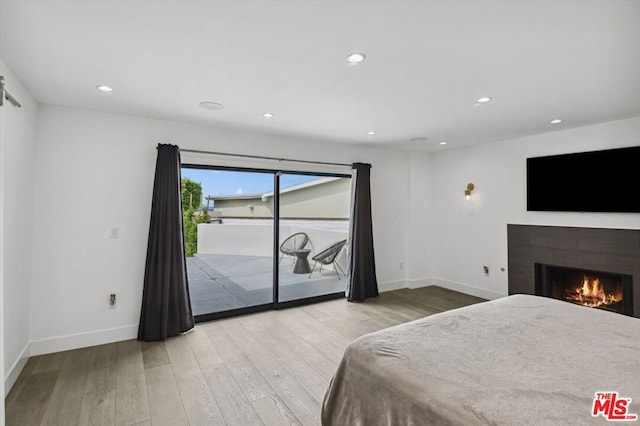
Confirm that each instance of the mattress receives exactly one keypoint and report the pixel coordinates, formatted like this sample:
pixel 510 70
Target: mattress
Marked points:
pixel 518 360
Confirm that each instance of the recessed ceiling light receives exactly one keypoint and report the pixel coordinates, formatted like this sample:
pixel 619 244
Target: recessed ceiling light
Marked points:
pixel 556 121
pixel 484 100
pixel 443 143
pixel 371 133
pixel 215 106
pixel 105 89
pixel 356 58
pixel 267 115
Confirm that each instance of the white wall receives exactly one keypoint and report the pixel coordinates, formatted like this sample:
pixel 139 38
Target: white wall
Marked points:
pixel 17 141
pixel 417 253
pixel 256 239
pixel 235 239
pixel 94 171
pixel 463 237
pixel 3 391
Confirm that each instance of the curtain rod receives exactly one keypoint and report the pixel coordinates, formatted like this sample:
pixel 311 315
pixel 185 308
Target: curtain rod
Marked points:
pixel 5 95
pixel 195 151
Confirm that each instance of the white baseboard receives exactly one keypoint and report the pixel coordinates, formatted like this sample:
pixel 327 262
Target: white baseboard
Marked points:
pixel 391 285
pixel 83 340
pixel 467 289
pixel 422 282
pixel 451 285
pixel 15 370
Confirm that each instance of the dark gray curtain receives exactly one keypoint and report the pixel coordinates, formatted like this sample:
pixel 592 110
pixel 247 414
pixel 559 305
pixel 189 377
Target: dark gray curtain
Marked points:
pixel 166 306
pixel 362 280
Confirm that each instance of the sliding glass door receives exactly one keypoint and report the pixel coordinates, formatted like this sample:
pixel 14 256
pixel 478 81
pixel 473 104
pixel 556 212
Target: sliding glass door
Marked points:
pixel 229 233
pixel 258 239
pixel 313 230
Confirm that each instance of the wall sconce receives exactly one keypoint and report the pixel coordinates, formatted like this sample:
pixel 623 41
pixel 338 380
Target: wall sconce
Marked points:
pixel 467 192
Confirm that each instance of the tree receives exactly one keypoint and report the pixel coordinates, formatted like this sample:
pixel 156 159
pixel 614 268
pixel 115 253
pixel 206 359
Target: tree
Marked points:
pixel 191 195
pixel 192 214
pixel 190 233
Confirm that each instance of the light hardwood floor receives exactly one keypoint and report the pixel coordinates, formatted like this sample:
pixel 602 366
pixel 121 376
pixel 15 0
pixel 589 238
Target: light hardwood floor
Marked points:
pixel 270 368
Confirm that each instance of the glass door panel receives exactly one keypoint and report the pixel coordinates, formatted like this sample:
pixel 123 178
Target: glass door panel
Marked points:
pixel 314 213
pixel 229 239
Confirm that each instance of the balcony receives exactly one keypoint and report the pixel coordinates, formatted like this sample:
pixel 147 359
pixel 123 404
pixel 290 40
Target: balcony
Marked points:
pixel 233 267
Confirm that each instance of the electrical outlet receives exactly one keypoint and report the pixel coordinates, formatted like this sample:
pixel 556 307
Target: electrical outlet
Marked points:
pixel 115 232
pixel 112 301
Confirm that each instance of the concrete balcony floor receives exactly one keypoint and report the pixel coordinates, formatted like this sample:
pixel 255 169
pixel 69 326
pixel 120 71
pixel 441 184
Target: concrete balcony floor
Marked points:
pixel 220 283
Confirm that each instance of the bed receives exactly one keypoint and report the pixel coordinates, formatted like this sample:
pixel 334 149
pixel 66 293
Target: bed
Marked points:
pixel 518 360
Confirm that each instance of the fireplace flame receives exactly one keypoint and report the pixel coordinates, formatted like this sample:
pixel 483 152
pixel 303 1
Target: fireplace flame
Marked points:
pixel 591 293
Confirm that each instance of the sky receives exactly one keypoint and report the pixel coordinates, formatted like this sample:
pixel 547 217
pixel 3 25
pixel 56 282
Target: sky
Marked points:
pixel 222 182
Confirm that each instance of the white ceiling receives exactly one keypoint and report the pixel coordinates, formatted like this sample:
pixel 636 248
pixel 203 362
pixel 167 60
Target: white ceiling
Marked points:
pixel 427 63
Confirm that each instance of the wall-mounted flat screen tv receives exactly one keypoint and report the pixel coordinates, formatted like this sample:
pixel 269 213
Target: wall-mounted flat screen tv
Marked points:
pixel 595 181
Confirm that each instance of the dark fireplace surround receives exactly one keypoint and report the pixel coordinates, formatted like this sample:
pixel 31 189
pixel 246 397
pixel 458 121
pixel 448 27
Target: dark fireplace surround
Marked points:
pixel 614 251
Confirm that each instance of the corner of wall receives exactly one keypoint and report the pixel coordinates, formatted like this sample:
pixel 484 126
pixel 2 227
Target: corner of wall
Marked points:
pixel 12 375
pixel 433 281
pixel 2 156
pixel 18 128
pixel 83 340
pixel 467 289
pixel 392 285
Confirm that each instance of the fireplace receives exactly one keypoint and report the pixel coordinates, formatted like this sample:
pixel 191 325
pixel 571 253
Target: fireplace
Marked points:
pixel 587 249
pixel 595 289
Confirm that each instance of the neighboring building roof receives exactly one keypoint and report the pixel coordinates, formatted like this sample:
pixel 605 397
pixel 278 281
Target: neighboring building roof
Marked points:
pixel 233 197
pixel 266 195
